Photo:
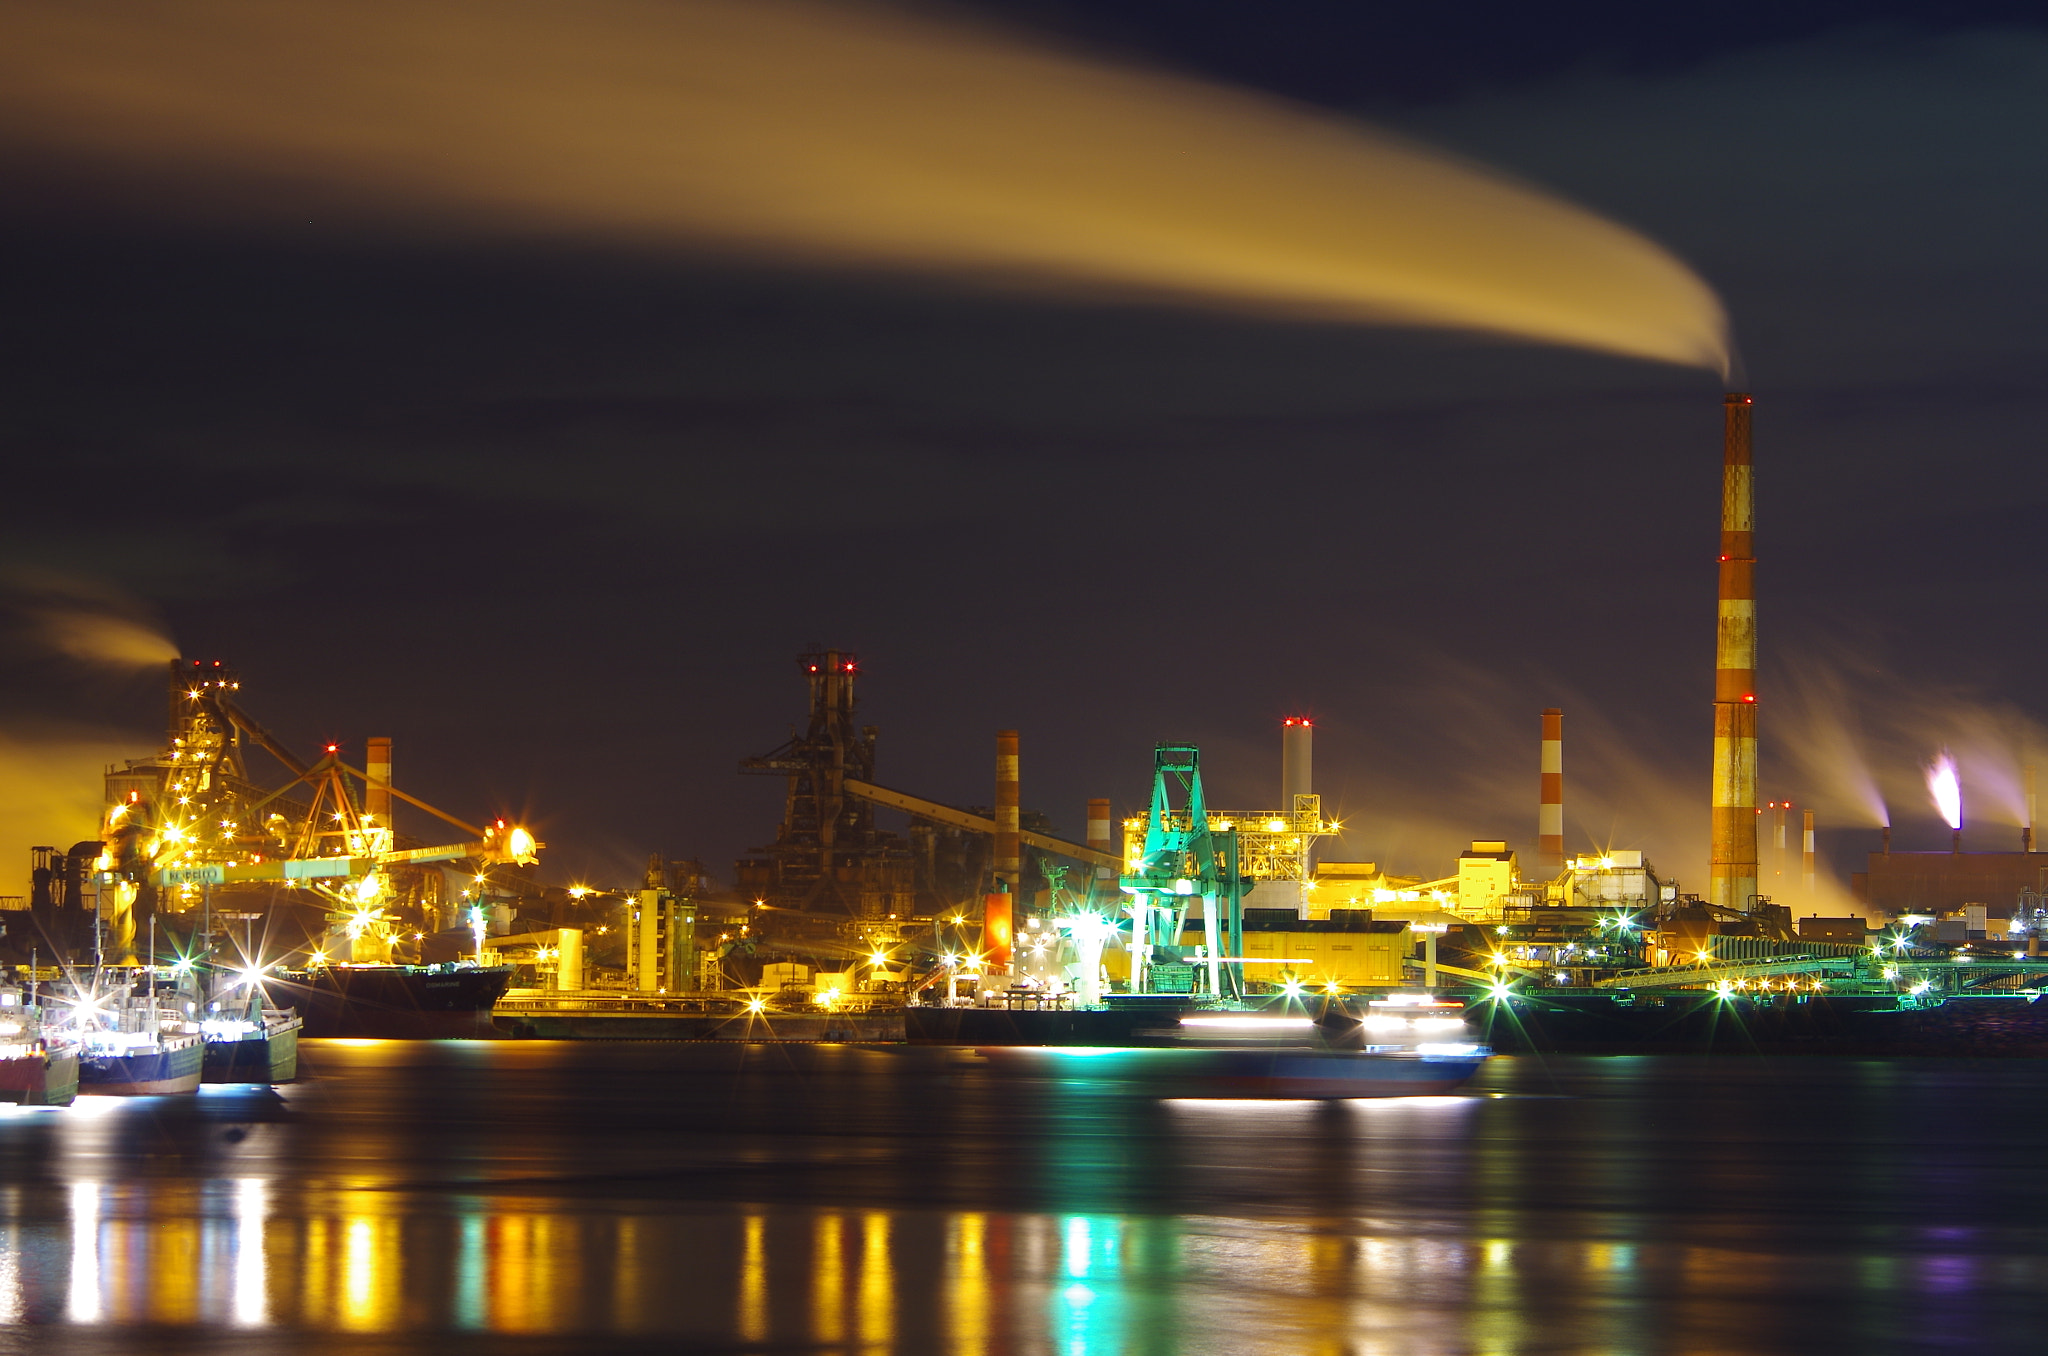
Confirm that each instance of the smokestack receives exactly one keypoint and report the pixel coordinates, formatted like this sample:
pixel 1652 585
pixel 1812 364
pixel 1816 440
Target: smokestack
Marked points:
pixel 1807 862
pixel 1550 803
pixel 1778 809
pixel 2027 829
pixel 377 769
pixel 1009 866
pixel 1732 870
pixel 1297 760
pixel 1098 839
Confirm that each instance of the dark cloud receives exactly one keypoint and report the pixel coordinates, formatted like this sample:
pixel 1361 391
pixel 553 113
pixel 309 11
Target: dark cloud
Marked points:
pixel 557 517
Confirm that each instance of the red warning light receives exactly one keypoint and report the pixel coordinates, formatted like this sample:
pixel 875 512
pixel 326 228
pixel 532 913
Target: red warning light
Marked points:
pixel 814 668
pixel 848 668
pixel 1749 696
pixel 333 748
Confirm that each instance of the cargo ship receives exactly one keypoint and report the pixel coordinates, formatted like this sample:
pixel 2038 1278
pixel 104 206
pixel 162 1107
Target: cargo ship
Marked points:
pixel 396 1002
pixel 33 1072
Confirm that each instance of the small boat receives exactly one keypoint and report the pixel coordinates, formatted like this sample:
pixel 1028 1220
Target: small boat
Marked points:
pixel 133 1044
pixel 33 1071
pixel 248 1040
pixel 1402 1046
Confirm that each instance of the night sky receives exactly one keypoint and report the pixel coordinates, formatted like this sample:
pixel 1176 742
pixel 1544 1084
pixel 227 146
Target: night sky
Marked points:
pixel 558 513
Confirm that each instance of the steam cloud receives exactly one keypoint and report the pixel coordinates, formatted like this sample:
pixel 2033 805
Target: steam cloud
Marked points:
pixel 828 132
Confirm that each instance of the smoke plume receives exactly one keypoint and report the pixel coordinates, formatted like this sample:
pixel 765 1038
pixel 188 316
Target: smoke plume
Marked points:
pixel 828 132
pixel 82 620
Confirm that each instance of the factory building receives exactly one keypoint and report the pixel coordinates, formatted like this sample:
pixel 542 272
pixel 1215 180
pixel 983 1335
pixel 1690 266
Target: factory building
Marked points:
pixel 1943 882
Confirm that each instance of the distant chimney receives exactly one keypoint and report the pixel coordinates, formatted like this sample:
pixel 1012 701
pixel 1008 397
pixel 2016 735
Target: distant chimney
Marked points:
pixel 377 791
pixel 1550 806
pixel 1808 864
pixel 1297 759
pixel 1009 848
pixel 1099 838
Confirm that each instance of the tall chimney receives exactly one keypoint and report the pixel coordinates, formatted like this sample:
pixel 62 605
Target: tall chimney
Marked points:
pixel 1732 870
pixel 1098 839
pixel 1808 862
pixel 1009 864
pixel 1550 805
pixel 377 770
pixel 1297 760
pixel 2027 829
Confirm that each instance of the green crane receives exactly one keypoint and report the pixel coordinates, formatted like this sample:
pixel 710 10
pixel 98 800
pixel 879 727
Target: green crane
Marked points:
pixel 1184 859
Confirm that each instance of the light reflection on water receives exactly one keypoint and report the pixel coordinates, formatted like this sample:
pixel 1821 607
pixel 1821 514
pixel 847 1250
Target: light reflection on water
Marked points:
pixel 848 1202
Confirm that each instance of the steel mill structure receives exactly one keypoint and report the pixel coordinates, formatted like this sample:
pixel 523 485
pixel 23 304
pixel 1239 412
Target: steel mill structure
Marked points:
pixel 306 881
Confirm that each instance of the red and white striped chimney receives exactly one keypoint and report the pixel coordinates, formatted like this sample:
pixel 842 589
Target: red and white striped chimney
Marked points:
pixel 1807 864
pixel 1550 809
pixel 1009 848
pixel 1099 839
pixel 377 777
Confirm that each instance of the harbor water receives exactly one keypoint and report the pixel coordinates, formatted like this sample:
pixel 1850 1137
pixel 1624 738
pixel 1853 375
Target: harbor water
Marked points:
pixel 512 1197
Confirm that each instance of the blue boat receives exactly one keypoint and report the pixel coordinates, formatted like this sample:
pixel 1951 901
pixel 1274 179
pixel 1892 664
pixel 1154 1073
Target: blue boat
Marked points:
pixel 130 1044
pixel 170 1062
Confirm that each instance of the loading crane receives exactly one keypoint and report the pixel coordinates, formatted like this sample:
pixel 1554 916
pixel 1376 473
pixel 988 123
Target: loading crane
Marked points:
pixel 1184 858
pixel 191 819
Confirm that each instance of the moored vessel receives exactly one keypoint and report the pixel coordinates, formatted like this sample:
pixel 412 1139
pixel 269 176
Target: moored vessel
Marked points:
pixel 1402 1046
pixel 131 1044
pixel 397 1002
pixel 33 1071
pixel 247 1039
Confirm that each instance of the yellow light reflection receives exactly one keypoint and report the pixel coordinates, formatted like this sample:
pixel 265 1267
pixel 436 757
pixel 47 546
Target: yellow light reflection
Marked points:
pixel 828 1279
pixel 370 1273
pixel 967 1294
pixel 250 1309
pixel 877 1300
pixel 752 1319
pixel 84 1300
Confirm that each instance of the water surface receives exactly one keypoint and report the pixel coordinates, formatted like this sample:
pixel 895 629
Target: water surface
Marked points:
pixel 506 1197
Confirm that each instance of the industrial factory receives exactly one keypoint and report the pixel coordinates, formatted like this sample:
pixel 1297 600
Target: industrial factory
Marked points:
pixel 394 916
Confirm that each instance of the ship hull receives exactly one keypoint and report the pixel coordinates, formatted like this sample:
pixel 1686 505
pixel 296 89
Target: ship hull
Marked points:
pixel 173 1068
pixel 1255 1073
pixel 1705 1023
pixel 269 1057
pixel 397 1002
pixel 43 1078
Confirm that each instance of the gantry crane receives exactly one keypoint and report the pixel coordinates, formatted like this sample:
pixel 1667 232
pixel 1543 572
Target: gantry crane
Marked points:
pixel 1184 858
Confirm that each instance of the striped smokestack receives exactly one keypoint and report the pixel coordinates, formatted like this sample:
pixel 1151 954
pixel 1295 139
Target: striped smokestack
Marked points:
pixel 1732 871
pixel 1807 864
pixel 1099 839
pixel 1009 864
pixel 1550 808
pixel 377 770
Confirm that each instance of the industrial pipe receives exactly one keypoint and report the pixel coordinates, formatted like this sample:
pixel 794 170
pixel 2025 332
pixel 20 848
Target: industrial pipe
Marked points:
pixel 1009 851
pixel 1550 806
pixel 1732 869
